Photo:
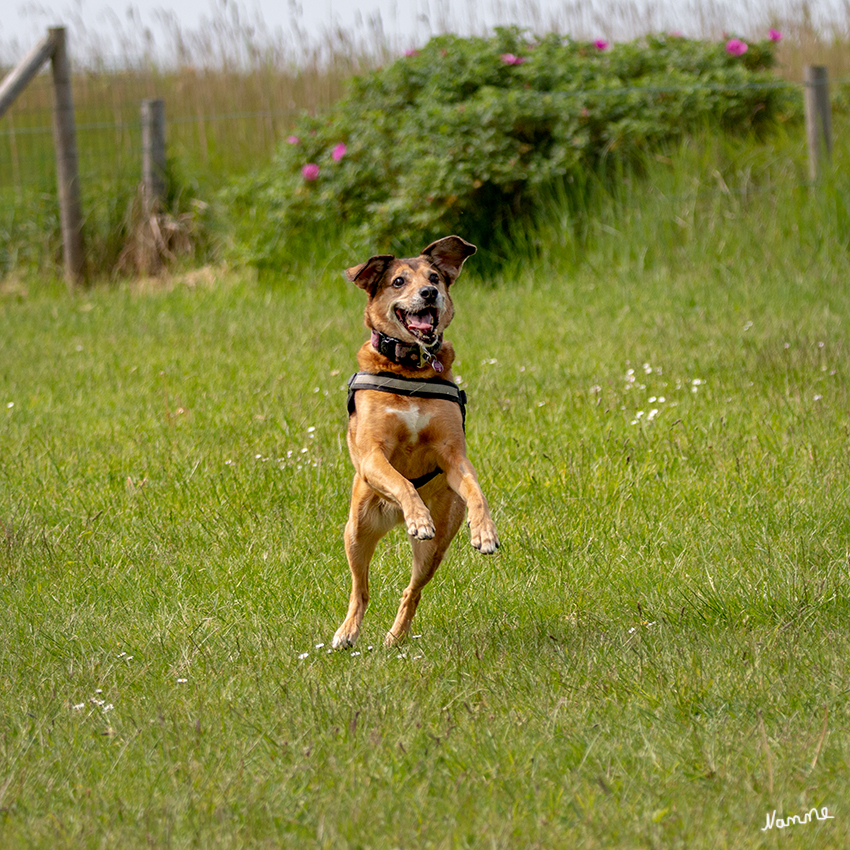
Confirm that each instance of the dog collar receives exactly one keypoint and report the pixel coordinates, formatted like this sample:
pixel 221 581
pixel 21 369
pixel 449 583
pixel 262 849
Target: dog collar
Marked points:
pixel 412 355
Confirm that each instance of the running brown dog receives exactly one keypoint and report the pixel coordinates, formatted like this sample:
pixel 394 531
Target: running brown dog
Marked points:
pixel 406 428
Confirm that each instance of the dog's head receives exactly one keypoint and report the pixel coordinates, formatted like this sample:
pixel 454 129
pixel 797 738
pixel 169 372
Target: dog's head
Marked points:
pixel 409 299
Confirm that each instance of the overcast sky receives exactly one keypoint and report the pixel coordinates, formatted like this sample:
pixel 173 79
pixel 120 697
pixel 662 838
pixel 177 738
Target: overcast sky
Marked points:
pixel 23 22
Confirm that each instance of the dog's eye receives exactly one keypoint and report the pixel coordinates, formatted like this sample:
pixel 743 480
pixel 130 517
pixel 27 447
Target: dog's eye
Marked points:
pixel 434 278
pixel 399 282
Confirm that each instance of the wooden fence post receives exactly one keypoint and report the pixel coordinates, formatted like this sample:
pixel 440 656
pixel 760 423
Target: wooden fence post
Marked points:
pixel 67 173
pixel 19 78
pixel 818 118
pixel 153 153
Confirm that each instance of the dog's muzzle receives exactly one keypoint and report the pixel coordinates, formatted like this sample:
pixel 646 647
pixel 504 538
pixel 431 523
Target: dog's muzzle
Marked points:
pixel 422 323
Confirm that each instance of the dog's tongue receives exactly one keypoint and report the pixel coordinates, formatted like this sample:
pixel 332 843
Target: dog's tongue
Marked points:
pixel 420 321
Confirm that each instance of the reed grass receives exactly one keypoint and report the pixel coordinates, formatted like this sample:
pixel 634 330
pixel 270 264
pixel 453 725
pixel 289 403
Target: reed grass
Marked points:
pixel 234 87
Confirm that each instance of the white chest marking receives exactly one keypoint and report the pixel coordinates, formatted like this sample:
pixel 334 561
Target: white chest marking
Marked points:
pixel 411 417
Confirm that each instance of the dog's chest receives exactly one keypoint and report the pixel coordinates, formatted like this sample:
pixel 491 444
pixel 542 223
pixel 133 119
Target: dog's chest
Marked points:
pixel 414 419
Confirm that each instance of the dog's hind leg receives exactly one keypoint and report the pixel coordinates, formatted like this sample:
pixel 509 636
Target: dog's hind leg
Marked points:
pixel 369 519
pixel 448 512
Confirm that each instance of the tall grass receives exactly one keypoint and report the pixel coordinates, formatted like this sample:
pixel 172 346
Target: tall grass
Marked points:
pixel 234 86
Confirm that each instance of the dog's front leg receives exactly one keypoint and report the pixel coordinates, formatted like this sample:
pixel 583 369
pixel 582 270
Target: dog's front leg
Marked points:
pixel 382 477
pixel 462 478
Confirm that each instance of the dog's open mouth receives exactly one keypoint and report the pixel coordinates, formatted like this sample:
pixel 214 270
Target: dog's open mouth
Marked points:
pixel 423 325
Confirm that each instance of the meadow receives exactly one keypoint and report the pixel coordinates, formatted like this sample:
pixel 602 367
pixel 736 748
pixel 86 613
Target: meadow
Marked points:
pixel 657 369
pixel 658 657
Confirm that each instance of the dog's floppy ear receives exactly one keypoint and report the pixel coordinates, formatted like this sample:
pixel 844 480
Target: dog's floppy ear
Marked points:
pixel 367 274
pixel 448 254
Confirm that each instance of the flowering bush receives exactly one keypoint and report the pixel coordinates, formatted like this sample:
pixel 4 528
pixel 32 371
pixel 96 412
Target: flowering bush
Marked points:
pixel 463 134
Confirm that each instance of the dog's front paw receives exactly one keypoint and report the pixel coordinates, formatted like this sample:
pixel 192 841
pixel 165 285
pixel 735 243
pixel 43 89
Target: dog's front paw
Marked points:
pixel 420 525
pixel 484 537
pixel 346 636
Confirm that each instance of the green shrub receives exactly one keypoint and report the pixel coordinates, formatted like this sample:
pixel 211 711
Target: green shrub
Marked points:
pixel 463 135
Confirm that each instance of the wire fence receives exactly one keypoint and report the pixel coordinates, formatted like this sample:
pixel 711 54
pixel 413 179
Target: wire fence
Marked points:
pixel 209 140
pixel 218 125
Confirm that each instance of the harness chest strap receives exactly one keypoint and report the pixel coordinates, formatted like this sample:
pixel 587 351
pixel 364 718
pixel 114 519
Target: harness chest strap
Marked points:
pixel 385 382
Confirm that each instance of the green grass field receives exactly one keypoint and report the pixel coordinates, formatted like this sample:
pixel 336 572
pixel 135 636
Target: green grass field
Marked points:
pixel 658 657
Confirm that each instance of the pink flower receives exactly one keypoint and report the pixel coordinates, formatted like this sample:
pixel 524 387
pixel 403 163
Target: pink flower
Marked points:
pixel 339 152
pixel 310 171
pixel 510 59
pixel 600 44
pixel 774 35
pixel 411 52
pixel 736 47
pixel 293 140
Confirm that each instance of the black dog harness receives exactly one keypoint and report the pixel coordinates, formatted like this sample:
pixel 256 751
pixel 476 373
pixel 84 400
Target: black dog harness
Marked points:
pixel 386 382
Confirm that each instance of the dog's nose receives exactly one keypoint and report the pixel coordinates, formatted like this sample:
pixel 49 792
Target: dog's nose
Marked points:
pixel 429 293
